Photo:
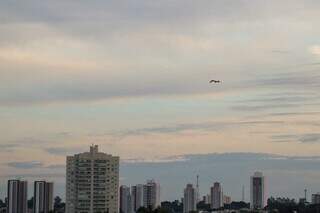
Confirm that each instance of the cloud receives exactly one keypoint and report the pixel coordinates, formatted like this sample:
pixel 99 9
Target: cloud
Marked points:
pixel 310 138
pixel 8 147
pixel 315 50
pixel 56 166
pixel 63 151
pixel 250 108
pixel 97 51
pixel 156 160
pixel 34 165
pixel 25 165
pixel 180 128
pixel 280 51
pixel 302 138
pixel 293 114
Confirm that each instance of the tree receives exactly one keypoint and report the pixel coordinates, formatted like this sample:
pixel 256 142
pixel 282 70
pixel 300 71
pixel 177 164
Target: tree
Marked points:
pixel 58 204
pixel 30 203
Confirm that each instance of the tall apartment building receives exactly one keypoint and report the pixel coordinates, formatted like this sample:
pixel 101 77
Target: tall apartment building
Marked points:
pixel 17 196
pixel 125 199
pixel 137 197
pixel 151 194
pixel 257 191
pixel 92 182
pixel 216 196
pixel 43 197
pixel 189 199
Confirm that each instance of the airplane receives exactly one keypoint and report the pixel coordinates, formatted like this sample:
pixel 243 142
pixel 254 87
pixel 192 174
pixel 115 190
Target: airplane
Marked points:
pixel 215 81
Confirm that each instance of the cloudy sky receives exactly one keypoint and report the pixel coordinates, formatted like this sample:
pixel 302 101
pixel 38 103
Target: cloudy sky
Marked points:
pixel 132 76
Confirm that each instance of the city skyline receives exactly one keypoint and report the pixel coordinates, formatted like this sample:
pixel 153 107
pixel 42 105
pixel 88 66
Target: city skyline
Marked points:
pixel 231 182
pixel 134 78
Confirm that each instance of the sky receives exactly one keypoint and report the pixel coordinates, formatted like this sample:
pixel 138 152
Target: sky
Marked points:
pixel 133 77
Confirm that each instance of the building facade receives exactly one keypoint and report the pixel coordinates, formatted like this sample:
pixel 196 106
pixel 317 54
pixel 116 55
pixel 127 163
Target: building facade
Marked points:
pixel 189 199
pixel 151 194
pixel 43 197
pixel 257 191
pixel 137 197
pixel 17 201
pixel 125 200
pixel 216 196
pixel 92 182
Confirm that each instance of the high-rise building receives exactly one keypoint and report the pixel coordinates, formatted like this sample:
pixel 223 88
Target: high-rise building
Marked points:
pixel 189 199
pixel 125 199
pixel 257 191
pixel 216 196
pixel 43 197
pixel 197 190
pixel 207 199
pixel 17 196
pixel 315 198
pixel 92 182
pixel 151 194
pixel 137 197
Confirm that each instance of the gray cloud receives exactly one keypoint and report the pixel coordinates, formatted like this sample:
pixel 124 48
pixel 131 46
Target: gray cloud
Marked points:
pixel 250 108
pixel 9 147
pixel 293 113
pixel 108 26
pixel 302 138
pixel 179 128
pixel 63 151
pixel 56 166
pixel 25 165
pixel 280 51
pixel 310 138
pixel 34 165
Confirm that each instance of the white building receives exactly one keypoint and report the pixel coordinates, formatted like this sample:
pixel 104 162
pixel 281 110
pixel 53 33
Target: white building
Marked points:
pixel 151 194
pixel 216 196
pixel 137 197
pixel 92 182
pixel 43 197
pixel 257 191
pixel 17 196
pixel 315 198
pixel 189 199
pixel 125 200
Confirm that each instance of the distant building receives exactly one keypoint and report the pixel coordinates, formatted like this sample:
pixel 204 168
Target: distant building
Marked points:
pixel 216 196
pixel 226 199
pixel 137 197
pixel 17 196
pixel 257 191
pixel 43 197
pixel 125 199
pixel 92 182
pixel 315 198
pixel 189 199
pixel 151 194
pixel 207 199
